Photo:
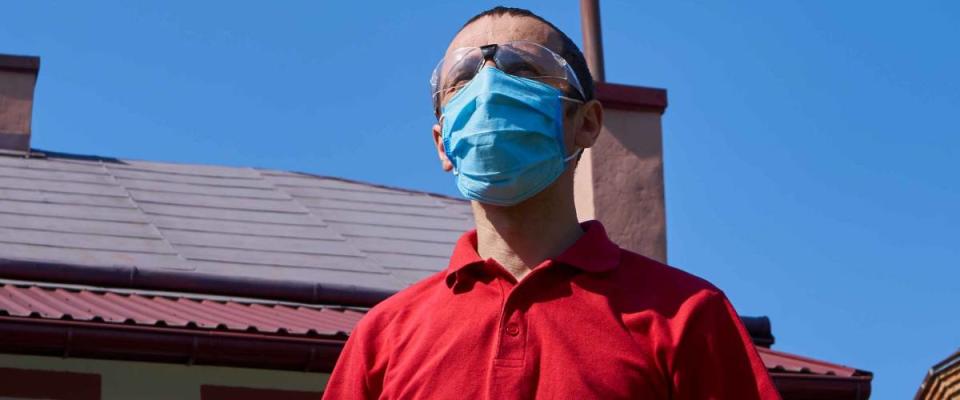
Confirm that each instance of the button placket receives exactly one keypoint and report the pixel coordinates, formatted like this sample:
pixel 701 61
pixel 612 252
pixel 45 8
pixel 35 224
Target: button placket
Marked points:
pixel 513 328
pixel 512 341
pixel 513 333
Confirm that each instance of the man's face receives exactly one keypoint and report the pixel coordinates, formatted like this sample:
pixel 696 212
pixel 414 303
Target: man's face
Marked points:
pixel 506 28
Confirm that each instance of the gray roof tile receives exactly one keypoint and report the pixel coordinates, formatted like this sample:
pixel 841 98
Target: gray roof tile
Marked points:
pixel 223 221
pixel 71 225
pixel 382 280
pixel 85 241
pixel 410 276
pixel 155 176
pixel 56 253
pixel 264 243
pixel 53 164
pixel 216 201
pixel 56 186
pixel 253 229
pixel 332 261
pixel 98 213
pixel 440 221
pixel 55 175
pixel 397 198
pixel 205 189
pixel 411 261
pixel 178 210
pixel 400 246
pixel 388 232
pixel 66 198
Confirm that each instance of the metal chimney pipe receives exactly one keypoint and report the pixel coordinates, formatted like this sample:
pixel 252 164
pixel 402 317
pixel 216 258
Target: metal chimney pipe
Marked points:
pixel 592 38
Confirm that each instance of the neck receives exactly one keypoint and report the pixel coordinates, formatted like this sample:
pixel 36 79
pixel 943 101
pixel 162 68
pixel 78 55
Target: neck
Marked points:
pixel 522 236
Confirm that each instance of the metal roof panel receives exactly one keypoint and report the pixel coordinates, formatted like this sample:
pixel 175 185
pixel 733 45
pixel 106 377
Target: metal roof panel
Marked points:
pixel 780 361
pixel 220 222
pixel 30 301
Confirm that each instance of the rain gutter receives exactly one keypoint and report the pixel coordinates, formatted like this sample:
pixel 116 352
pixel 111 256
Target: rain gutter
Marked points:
pixel 66 338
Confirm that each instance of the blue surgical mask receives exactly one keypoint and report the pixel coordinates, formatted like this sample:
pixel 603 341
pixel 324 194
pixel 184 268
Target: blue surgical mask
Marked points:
pixel 504 136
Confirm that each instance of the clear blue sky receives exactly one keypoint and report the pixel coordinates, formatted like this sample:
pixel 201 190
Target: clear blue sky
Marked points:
pixel 811 147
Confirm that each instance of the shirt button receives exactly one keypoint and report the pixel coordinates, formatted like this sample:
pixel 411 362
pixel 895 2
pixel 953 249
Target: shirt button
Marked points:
pixel 513 330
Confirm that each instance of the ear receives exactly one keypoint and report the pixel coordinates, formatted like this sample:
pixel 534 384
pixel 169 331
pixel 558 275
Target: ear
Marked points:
pixel 591 123
pixel 438 142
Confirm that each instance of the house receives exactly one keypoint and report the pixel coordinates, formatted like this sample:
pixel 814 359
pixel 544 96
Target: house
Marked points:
pixel 942 381
pixel 137 279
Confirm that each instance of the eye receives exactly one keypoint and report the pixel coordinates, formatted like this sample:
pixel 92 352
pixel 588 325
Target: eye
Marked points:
pixel 524 68
pixel 524 71
pixel 459 79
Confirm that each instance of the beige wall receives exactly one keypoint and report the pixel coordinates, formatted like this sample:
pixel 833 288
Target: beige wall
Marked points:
pixel 141 380
pixel 620 182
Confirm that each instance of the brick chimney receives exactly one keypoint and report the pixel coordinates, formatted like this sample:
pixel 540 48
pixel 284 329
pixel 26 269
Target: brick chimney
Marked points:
pixel 18 77
pixel 620 180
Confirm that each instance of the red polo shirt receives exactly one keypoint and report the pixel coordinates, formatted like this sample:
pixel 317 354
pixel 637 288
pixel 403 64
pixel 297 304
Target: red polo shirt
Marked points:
pixel 597 322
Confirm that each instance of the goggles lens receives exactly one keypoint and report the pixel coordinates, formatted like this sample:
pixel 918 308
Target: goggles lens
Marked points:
pixel 520 58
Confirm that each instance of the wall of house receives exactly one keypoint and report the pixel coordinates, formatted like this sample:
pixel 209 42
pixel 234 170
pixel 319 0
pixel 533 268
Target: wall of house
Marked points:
pixel 142 380
pixel 620 181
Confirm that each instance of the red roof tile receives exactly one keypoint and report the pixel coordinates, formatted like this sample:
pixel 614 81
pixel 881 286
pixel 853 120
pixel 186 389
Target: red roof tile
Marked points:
pixel 786 362
pixel 180 311
pixel 174 311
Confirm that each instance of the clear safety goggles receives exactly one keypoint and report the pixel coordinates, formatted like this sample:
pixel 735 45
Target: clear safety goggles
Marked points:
pixel 519 58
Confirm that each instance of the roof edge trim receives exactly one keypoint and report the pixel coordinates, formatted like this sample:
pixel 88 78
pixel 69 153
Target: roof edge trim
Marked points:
pixel 18 62
pixel 631 98
pixel 808 386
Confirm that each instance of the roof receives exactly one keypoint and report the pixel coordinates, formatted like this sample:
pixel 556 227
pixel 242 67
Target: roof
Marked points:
pixel 942 381
pixel 779 361
pixel 174 310
pixel 151 245
pixel 40 319
pixel 149 222
pixel 115 311
pixel 798 377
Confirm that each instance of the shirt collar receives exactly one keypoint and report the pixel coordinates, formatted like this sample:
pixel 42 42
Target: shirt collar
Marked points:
pixel 592 252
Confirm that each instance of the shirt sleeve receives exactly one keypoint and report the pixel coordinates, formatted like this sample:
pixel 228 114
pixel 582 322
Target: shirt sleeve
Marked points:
pixel 715 358
pixel 359 372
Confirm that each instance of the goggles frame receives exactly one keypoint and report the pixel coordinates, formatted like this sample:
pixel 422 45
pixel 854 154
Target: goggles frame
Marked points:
pixel 490 53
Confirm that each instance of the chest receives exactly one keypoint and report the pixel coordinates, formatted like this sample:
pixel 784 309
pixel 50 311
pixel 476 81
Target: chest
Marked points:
pixel 497 345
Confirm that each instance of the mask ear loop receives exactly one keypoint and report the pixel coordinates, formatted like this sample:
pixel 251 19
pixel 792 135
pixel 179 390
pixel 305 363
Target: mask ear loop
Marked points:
pixel 574 155
pixel 579 149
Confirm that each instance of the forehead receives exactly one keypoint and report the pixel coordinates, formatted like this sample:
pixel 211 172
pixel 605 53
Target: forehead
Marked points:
pixel 504 28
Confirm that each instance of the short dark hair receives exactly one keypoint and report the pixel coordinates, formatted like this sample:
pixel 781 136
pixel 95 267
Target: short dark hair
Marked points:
pixel 569 50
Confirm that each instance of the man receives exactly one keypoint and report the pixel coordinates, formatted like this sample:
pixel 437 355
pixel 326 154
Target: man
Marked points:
pixel 534 304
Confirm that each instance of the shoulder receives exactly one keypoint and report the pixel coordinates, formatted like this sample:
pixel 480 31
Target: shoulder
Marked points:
pixel 666 302
pixel 645 290
pixel 647 277
pixel 402 305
